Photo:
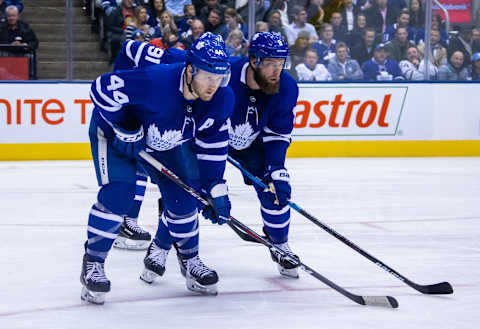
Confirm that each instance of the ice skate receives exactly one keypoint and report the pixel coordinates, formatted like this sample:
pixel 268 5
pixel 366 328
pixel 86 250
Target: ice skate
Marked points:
pixel 199 278
pixel 154 263
pixel 95 283
pixel 131 236
pixel 287 265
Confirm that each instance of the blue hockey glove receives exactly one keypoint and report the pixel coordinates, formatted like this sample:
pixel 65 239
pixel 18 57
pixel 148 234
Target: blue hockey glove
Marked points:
pixel 218 210
pixel 128 143
pixel 278 180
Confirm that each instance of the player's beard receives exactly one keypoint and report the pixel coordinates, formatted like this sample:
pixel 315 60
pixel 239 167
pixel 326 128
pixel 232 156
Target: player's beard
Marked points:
pixel 267 87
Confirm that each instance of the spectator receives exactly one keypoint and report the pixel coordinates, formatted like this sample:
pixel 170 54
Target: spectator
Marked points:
pixel 476 67
pixel 402 21
pixel 261 26
pixel 157 7
pixel 116 23
pixel 14 31
pixel 260 11
pixel 381 15
pixel 475 35
pixel 315 13
pixel 235 44
pixel 462 42
pixel 300 24
pixel 363 51
pixel 349 13
pixel 175 7
pixel 188 15
pixel 233 21
pixel 299 48
pixel 454 69
pixel 397 48
pixel 356 35
pixel 417 14
pixel 139 22
pixel 204 13
pixel 379 68
pixel 167 22
pixel 16 3
pixel 414 69
pixel 437 24
pixel 170 38
pixel 275 23
pixel 438 56
pixel 214 22
pixel 339 30
pixel 325 47
pixel 311 70
pixel 343 68
pixel 282 8
pixel 196 30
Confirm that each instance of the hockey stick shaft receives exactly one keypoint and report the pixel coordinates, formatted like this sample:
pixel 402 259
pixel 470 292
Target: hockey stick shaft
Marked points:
pixel 439 288
pixel 385 301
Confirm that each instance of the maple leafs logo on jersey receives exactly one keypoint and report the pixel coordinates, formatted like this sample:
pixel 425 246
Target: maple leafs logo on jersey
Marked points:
pixel 167 141
pixel 242 136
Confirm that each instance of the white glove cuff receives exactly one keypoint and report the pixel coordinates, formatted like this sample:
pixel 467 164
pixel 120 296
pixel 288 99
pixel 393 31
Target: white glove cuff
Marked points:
pixel 219 190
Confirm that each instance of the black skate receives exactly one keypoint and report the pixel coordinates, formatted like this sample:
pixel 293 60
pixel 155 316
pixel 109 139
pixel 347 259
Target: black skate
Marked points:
pixel 154 263
pixel 287 265
pixel 131 236
pixel 199 278
pixel 95 283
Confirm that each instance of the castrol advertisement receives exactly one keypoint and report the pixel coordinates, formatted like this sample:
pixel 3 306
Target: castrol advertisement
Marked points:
pixel 349 111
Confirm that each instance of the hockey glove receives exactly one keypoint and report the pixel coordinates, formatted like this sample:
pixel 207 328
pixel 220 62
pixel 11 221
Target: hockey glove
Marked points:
pixel 128 143
pixel 218 210
pixel 278 180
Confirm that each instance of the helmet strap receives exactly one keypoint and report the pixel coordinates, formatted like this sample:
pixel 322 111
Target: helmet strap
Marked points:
pixel 189 83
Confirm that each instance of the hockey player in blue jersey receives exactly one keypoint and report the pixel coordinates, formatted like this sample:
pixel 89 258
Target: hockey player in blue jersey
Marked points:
pixel 174 104
pixel 260 133
pixel 133 55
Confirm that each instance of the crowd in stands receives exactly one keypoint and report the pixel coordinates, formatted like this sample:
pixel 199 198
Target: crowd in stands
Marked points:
pixel 329 39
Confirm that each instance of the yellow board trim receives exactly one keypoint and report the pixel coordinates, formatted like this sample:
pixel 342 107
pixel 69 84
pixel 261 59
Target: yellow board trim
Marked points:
pixel 298 149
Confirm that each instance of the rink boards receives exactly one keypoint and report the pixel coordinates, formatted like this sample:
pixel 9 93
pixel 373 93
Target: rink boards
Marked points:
pixel 49 120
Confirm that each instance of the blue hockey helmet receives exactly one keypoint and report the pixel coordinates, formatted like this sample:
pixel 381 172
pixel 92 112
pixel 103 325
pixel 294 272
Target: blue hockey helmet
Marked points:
pixel 268 45
pixel 209 53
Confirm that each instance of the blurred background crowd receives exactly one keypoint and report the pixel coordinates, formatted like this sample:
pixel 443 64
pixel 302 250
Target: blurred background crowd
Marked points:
pixel 329 40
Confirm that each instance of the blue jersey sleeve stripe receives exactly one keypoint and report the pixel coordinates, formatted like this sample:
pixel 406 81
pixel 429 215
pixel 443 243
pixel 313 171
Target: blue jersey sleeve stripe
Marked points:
pixel 211 145
pixel 128 49
pixel 139 53
pixel 98 87
pixel 276 138
pixel 102 106
pixel 269 131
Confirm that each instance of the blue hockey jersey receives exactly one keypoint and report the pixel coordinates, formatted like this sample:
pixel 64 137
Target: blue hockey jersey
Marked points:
pixel 258 115
pixel 154 97
pixel 137 54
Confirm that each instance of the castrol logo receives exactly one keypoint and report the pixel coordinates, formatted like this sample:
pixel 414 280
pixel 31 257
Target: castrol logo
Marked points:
pixel 349 111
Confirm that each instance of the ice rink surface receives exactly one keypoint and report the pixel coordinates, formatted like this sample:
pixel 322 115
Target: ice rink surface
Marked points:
pixel 421 216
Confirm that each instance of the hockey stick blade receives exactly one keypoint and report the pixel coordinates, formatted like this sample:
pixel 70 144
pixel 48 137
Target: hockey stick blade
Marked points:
pixel 433 289
pixel 442 288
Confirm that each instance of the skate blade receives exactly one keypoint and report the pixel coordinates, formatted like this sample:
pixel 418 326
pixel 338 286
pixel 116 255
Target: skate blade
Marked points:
pixel 124 243
pixel 291 273
pixel 194 286
pixel 94 297
pixel 148 276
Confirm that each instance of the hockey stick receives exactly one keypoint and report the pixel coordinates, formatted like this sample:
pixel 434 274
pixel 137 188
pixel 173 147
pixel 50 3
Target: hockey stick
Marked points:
pixel 385 301
pixel 432 289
